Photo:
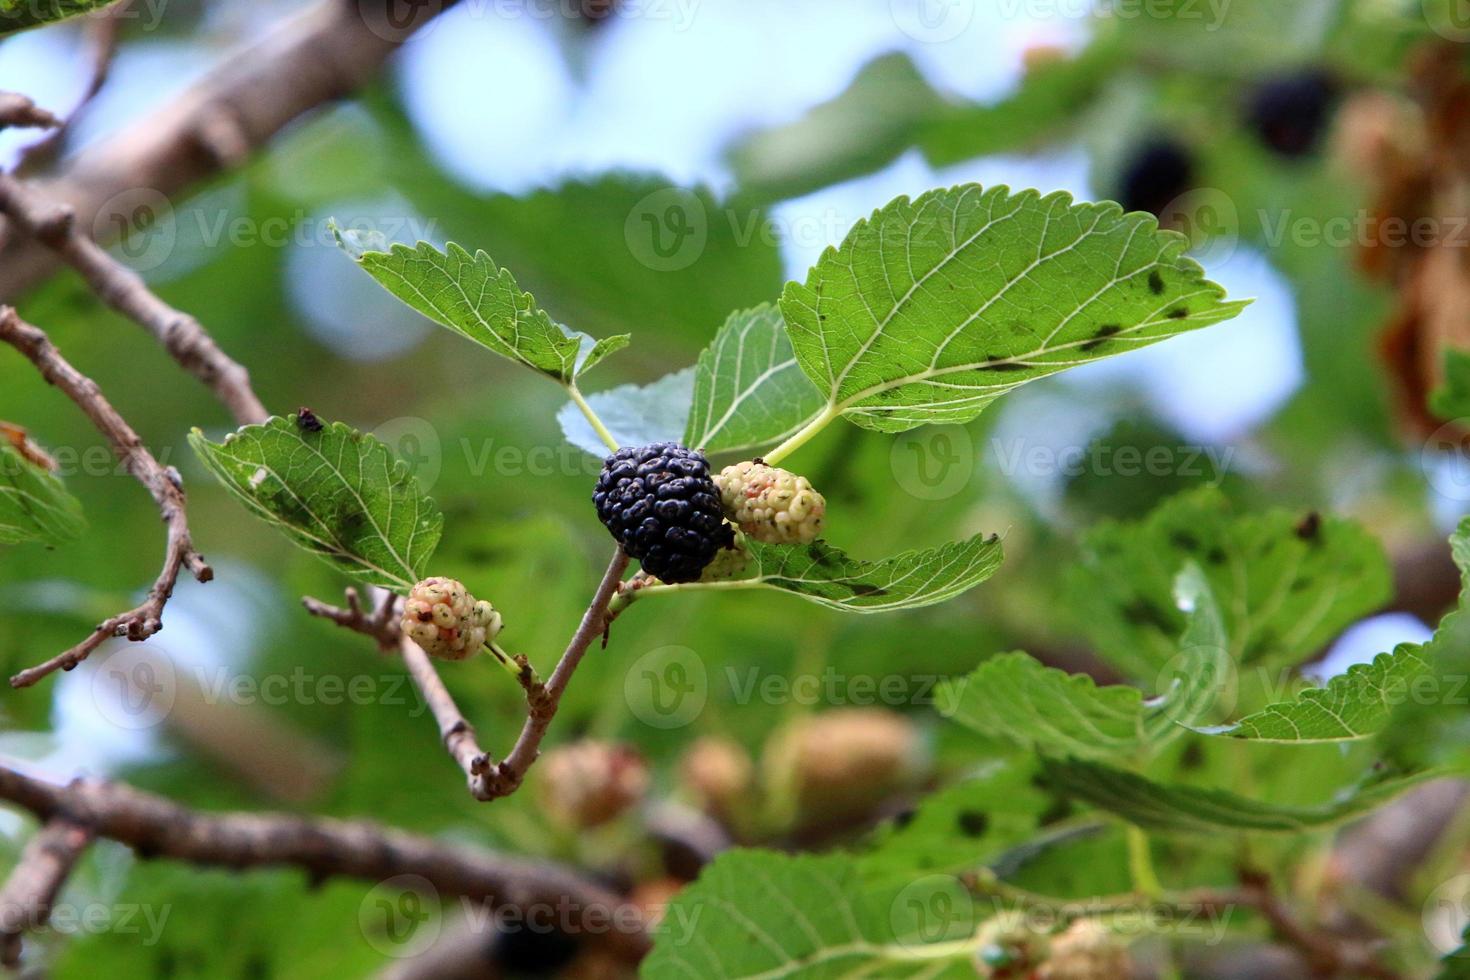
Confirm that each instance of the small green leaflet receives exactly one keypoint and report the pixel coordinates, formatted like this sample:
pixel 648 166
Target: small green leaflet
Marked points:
pixel 636 415
pixel 825 575
pixel 748 389
pixel 934 307
pixel 474 297
pixel 1287 583
pixel 961 827
pixel 1014 696
pixel 338 493
pixel 1353 705
pixel 34 505
pixel 17 15
pixel 1189 809
pixel 758 914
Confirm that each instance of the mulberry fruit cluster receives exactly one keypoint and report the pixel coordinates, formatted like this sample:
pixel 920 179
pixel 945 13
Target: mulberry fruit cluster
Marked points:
pixel 1289 113
pixel 588 783
pixel 442 617
pixel 661 505
pixel 771 504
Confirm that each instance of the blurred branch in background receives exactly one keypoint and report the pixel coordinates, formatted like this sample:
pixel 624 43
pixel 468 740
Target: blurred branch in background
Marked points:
pixel 17 110
pixel 325 53
pixel 155 827
pixel 25 901
pixel 103 33
pixel 162 482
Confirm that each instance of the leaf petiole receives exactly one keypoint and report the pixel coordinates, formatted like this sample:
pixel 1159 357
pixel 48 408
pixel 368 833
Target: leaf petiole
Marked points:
pixel 592 419
pixel 803 435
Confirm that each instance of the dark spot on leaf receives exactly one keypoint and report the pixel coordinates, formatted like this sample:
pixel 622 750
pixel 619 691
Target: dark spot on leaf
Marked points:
pixel 1301 585
pixel 904 818
pixel 1103 333
pixel 864 589
pixel 1309 528
pixel 972 823
pixel 1000 365
pixel 1184 541
pixel 1192 757
pixel 1155 282
pixel 1144 612
pixel 1216 556
pixel 1178 313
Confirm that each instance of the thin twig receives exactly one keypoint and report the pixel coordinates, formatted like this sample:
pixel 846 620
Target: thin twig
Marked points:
pixel 44 865
pixel 17 110
pixel 103 33
pixel 162 482
pixel 124 290
pixel 544 701
pixel 326 53
pixel 379 623
pixel 457 733
pixel 155 827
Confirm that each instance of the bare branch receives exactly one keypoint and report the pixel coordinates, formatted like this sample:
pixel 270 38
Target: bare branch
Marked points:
pixel 159 828
pixel 17 110
pixel 322 55
pixel 162 482
pixel 380 623
pixel 124 290
pixel 44 865
pixel 457 733
pixel 543 704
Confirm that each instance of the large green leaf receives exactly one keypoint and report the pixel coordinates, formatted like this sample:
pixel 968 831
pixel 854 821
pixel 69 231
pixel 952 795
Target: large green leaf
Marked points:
pixel 934 307
pixel 823 574
pixel 1190 809
pixel 1287 583
pixel 636 415
pixel 337 492
pixel 17 15
pixel 748 390
pixel 34 505
pixel 1015 697
pixel 474 297
pixel 757 914
pixel 1353 705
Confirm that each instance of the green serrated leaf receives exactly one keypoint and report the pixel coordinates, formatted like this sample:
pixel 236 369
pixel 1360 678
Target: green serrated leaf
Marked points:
pixel 760 914
pixel 1287 584
pixel 1353 705
pixel 17 15
pixel 748 390
pixel 1189 809
pixel 336 492
pixel 636 415
pixel 932 308
pixel 1015 697
pixel 477 299
pixel 34 504
pixel 824 574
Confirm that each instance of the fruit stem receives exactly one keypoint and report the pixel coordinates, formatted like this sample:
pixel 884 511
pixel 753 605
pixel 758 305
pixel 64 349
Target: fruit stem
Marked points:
pixel 802 435
pixel 592 419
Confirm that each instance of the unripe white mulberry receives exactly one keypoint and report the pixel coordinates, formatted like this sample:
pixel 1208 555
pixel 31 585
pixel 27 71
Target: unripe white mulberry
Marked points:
pixel 842 763
pixel 771 504
pixel 728 563
pixel 1087 951
pixel 442 617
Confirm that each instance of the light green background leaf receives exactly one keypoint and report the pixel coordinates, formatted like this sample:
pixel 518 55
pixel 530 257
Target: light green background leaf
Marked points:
pixel 636 415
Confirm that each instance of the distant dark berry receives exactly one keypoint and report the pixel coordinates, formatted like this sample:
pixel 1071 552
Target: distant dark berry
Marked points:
pixel 662 506
pixel 1289 113
pixel 1158 171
